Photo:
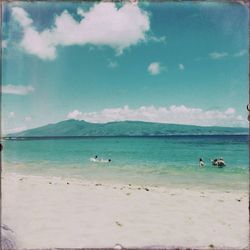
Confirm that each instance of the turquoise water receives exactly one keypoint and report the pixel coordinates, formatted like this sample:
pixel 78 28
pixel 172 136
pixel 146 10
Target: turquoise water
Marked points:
pixel 137 160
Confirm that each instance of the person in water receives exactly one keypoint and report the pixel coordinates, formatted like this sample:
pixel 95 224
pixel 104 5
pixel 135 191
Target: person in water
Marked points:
pixel 96 159
pixel 201 163
pixel 218 162
pixel 221 163
pixel 214 162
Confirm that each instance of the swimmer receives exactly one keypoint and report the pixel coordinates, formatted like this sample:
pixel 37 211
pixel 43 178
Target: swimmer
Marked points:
pixel 221 163
pixel 105 161
pixel 214 162
pixel 201 163
pixel 218 162
pixel 94 159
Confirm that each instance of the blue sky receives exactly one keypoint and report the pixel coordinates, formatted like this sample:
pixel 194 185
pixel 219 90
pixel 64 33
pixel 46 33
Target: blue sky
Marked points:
pixel 167 62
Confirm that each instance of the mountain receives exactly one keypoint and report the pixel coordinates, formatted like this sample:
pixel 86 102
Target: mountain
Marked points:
pixel 124 128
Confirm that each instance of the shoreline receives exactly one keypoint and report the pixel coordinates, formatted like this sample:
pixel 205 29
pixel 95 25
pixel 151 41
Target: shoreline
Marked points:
pixel 49 212
pixel 61 137
pixel 201 181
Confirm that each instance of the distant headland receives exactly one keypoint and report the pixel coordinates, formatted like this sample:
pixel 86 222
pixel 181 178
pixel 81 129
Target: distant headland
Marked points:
pixel 76 128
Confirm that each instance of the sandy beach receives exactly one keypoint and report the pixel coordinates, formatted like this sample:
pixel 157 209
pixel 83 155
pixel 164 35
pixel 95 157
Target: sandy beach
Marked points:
pixel 47 212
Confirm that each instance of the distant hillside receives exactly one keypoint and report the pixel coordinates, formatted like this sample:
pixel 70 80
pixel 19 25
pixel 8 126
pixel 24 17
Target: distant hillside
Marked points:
pixel 124 128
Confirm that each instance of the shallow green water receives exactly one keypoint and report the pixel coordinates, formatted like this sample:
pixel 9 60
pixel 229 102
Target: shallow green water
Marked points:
pixel 139 160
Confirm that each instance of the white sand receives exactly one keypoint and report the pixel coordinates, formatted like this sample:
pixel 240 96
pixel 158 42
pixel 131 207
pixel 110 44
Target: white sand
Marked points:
pixel 82 214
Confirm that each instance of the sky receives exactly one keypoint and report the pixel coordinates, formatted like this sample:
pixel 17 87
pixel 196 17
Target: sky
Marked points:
pixel 168 62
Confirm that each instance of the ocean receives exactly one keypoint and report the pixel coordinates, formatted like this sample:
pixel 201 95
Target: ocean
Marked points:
pixel 160 161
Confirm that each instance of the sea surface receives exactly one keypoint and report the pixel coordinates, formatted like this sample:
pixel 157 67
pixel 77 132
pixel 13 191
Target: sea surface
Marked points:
pixel 168 161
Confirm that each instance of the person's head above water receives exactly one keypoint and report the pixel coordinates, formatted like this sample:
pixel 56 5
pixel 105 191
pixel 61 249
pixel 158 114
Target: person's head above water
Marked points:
pixel 109 160
pixel 96 156
pixel 201 159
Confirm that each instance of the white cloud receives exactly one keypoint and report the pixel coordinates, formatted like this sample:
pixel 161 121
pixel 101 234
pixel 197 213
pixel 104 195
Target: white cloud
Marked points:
pixel 218 55
pixel 17 89
pixel 181 66
pixel 161 39
pixel 11 115
pixel 230 111
pixel 74 115
pixel 240 53
pixel 22 17
pixel 155 68
pixel 4 44
pixel 103 24
pixel 39 44
pixel 28 118
pixel 112 64
pixel 173 114
pixel 14 130
pixel 80 12
pixel 134 1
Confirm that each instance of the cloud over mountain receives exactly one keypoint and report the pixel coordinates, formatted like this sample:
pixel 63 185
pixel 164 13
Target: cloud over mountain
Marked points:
pixel 173 114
